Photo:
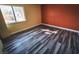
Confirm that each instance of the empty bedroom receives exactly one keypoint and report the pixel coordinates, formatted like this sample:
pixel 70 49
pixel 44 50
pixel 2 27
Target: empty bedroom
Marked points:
pixel 39 29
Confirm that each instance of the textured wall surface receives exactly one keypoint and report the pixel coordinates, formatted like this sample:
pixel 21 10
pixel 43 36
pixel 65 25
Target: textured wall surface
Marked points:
pixel 33 17
pixel 66 16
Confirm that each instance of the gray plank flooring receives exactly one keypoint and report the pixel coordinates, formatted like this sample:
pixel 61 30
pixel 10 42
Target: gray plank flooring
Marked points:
pixel 35 41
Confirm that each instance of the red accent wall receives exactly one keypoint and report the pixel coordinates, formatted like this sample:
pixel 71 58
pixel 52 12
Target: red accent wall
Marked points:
pixel 66 16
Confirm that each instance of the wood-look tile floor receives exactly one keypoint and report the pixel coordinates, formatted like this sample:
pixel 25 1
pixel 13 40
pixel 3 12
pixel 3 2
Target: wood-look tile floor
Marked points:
pixel 36 41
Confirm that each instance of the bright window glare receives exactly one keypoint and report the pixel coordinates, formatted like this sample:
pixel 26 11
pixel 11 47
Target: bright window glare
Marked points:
pixel 7 14
pixel 19 13
pixel 12 14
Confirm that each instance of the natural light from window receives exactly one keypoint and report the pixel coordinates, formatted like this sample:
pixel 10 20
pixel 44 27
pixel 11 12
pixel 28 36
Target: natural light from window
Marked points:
pixel 12 14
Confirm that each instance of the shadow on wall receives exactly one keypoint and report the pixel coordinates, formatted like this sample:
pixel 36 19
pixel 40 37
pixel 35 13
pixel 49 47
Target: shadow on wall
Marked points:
pixel 1 47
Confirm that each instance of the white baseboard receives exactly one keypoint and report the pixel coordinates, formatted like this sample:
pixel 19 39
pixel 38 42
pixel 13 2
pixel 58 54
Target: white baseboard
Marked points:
pixel 25 29
pixel 61 28
pixel 46 25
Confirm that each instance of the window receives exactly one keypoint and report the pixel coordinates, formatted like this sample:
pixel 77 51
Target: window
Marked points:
pixel 12 14
pixel 19 14
pixel 7 14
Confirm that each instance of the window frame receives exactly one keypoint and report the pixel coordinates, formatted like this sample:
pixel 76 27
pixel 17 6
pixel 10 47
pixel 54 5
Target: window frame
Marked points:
pixel 14 14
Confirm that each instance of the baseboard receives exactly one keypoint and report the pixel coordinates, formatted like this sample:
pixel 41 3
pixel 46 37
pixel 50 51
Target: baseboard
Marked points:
pixel 25 29
pixel 61 28
pixel 46 25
